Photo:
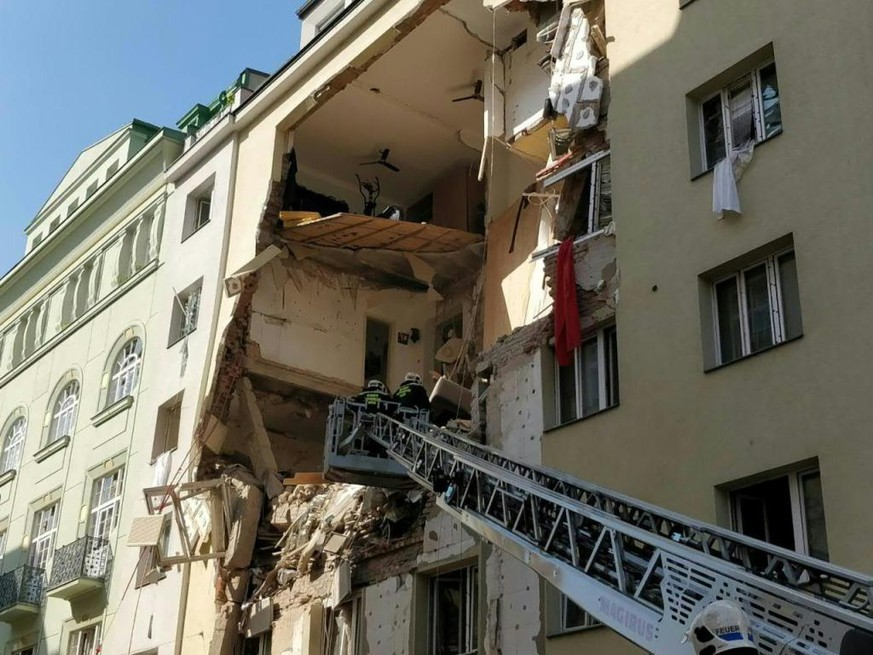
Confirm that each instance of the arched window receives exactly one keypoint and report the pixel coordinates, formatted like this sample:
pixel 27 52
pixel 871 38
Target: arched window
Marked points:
pixel 125 371
pixel 64 412
pixel 13 445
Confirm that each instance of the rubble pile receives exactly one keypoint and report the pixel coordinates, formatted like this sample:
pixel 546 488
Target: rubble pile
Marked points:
pixel 326 525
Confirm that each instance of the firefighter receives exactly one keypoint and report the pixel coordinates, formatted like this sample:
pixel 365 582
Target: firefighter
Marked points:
pixel 373 397
pixel 411 394
pixel 722 627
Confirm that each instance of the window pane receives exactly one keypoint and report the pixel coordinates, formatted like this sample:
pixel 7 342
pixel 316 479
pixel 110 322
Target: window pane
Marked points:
pixel 740 102
pixel 581 184
pixel 790 295
pixel 567 392
pixel 713 131
pixel 604 216
pixel 758 307
pixel 728 307
pixel 611 338
pixel 590 378
pixel 575 617
pixel 813 506
pixel 772 117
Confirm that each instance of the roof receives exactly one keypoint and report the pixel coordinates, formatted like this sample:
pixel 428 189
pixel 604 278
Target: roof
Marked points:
pixel 306 7
pixel 355 232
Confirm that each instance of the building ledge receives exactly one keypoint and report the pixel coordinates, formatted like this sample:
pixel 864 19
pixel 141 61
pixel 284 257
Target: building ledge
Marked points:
pixel 52 448
pixel 113 410
pixel 7 477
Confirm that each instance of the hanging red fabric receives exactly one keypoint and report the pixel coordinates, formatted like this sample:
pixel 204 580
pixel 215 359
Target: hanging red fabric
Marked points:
pixel 568 332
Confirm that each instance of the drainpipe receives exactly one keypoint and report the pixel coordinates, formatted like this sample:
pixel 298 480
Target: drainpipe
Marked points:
pixel 207 360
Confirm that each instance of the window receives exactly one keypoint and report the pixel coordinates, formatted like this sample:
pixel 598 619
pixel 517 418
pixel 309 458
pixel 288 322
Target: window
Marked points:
pixel 110 171
pixel 198 208
pixel 45 523
pixel 786 511
pixel 376 357
pixel 585 206
pixel 54 224
pixel 2 547
pixel 747 110
pixel 201 218
pixel 30 650
pixel 453 612
pixel 186 308
pixel 563 615
pixel 756 307
pixel 85 641
pixel 105 504
pixel 92 188
pixel 590 383
pixel 63 421
pixel 72 207
pixel 148 568
pixel 37 239
pixel 341 629
pixel 259 645
pixel 167 426
pixel 125 371
pixel 13 445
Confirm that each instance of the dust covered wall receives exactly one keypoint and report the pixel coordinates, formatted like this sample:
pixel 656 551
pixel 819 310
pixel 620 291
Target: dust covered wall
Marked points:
pixel 387 617
pixel 319 324
pixel 514 292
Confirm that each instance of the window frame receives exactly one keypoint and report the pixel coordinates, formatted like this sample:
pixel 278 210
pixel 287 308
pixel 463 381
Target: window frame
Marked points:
pixel 181 322
pixel 38 536
pixel 111 506
pixel 18 445
pixel 117 372
pixel 60 413
pixel 95 629
pixel 799 519
pixel 198 222
pixel 607 371
pixel 754 75
pixel 775 299
pixel 469 631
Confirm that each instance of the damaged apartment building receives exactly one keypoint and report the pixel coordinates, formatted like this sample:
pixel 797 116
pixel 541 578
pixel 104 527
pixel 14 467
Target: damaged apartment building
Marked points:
pixel 396 195
pixel 427 186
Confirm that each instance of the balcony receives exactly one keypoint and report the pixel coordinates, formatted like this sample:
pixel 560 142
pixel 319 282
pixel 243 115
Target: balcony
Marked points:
pixel 351 456
pixel 80 568
pixel 21 593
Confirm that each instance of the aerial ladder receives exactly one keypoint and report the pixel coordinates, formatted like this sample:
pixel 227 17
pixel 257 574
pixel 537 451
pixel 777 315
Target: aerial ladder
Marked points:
pixel 643 571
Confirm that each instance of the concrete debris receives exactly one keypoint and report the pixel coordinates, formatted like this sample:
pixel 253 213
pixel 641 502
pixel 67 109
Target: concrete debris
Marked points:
pixel 326 526
pixel 245 514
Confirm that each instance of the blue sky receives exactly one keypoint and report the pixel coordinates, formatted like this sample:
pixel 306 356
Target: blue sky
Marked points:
pixel 72 72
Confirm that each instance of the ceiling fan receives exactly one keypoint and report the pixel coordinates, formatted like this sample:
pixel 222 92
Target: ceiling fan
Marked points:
pixel 476 95
pixel 383 161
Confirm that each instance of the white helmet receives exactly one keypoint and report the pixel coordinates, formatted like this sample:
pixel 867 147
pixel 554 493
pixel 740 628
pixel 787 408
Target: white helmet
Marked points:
pixel 412 377
pixel 377 384
pixel 722 627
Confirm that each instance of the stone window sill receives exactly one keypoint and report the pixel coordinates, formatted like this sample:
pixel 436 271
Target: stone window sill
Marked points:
pixel 7 477
pixel 54 447
pixel 113 410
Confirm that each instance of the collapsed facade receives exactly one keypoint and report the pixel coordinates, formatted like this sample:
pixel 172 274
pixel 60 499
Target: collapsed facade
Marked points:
pixel 330 553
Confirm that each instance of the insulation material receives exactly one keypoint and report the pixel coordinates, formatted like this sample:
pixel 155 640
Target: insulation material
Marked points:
pixel 575 91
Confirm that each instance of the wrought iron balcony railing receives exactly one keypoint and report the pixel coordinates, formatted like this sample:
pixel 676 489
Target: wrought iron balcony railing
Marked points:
pixel 24 585
pixel 88 557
